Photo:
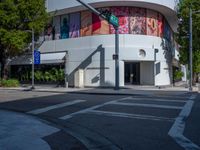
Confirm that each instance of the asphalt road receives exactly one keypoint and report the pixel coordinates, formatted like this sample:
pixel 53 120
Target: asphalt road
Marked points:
pixel 137 122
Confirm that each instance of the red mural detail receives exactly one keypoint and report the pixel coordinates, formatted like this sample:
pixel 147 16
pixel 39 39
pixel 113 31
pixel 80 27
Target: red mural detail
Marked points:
pixel 99 26
pixel 96 22
pixel 152 23
pixel 122 13
pixel 160 25
pixel 86 23
pixel 137 20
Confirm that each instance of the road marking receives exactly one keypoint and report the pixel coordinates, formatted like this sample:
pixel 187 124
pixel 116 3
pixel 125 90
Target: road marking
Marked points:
pixel 176 131
pixel 127 115
pixel 91 139
pixel 172 96
pixel 42 110
pixel 147 105
pixel 89 109
pixel 192 97
pixel 157 99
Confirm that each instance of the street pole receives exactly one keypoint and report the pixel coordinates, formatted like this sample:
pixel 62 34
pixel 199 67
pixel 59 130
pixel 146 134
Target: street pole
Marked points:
pixel 155 51
pixel 66 71
pixel 190 50
pixel 91 9
pixel 33 47
pixel 117 58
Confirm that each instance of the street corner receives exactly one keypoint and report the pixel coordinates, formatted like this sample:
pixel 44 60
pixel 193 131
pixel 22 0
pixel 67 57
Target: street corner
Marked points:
pixel 20 131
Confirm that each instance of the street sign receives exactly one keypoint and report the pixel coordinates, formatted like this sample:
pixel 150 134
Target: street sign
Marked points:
pixel 36 57
pixel 114 20
pixel 115 57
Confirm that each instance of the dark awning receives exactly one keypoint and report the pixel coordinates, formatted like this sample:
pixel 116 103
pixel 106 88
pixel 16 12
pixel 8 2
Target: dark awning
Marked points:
pixel 45 58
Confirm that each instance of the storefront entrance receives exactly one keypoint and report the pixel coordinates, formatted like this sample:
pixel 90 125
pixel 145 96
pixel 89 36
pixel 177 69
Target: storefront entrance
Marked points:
pixel 132 72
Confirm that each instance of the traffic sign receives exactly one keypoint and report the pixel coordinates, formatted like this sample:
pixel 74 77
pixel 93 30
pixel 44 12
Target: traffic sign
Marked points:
pixel 36 57
pixel 114 20
pixel 115 57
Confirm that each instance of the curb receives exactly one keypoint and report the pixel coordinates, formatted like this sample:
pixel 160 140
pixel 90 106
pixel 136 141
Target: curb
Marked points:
pixel 101 93
pixel 86 91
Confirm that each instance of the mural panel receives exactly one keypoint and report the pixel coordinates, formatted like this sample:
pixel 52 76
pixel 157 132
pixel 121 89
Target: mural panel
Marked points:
pixel 160 25
pixel 167 31
pixel 122 13
pixel 48 31
pixel 152 23
pixel 99 26
pixel 86 23
pixel 64 27
pixel 137 21
pixel 74 29
pixel 133 20
pixel 56 27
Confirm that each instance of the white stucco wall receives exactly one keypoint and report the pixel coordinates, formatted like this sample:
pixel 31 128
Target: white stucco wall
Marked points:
pixel 53 5
pixel 94 55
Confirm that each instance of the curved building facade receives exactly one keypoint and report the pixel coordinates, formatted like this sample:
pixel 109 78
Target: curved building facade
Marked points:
pixel 146 49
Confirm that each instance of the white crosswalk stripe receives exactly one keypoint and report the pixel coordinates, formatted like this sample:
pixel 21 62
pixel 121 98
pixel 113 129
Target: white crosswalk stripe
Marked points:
pixel 147 105
pixel 127 115
pixel 155 100
pixel 42 110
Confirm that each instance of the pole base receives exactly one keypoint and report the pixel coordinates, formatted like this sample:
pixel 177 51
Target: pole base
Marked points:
pixel 190 89
pixel 116 88
pixel 32 88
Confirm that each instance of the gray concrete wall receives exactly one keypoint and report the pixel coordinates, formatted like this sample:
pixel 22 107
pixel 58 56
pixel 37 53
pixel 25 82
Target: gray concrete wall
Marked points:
pixel 147 73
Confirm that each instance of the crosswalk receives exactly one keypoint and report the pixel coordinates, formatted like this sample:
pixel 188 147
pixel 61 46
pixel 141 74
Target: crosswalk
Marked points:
pixel 169 110
pixel 146 105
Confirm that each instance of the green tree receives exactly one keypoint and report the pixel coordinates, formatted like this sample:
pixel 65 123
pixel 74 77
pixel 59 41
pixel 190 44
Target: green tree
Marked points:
pixel 16 17
pixel 183 33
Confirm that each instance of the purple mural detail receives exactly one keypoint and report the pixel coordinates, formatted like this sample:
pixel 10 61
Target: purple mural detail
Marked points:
pixel 74 29
pixel 167 32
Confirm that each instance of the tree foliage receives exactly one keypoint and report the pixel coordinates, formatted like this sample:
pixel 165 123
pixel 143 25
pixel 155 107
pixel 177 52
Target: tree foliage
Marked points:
pixel 16 18
pixel 183 32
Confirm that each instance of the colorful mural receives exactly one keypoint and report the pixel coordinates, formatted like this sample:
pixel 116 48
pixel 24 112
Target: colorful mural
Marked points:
pixel 137 21
pixel 132 20
pixel 160 25
pixel 56 27
pixel 99 26
pixel 74 25
pixel 86 23
pixel 64 30
pixel 122 13
pixel 152 22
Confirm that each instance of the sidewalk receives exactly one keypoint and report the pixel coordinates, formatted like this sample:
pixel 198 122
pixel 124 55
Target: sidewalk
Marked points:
pixel 127 90
pixel 26 132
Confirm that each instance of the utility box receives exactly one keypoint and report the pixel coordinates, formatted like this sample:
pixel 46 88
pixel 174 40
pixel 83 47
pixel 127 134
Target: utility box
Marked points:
pixel 79 78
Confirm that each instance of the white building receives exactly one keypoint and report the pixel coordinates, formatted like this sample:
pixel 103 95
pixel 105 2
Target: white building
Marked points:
pixel 147 47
